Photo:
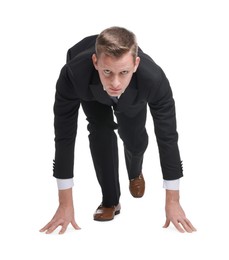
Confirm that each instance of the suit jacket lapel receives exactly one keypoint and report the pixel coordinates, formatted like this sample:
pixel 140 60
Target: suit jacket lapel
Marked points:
pixel 100 95
pixel 97 90
pixel 128 97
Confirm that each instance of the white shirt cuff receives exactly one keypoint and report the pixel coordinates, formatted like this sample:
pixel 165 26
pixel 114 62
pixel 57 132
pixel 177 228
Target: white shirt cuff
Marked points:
pixel 64 184
pixel 171 185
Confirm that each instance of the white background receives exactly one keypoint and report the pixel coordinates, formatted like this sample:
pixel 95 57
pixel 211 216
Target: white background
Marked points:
pixel 189 40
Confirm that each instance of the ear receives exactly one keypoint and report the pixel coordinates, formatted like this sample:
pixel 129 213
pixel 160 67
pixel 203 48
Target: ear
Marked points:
pixel 137 61
pixel 94 60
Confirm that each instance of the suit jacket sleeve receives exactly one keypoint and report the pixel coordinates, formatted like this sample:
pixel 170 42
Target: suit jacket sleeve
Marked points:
pixel 66 108
pixel 162 108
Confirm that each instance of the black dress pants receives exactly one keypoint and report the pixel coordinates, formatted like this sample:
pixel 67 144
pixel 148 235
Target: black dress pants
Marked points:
pixel 104 149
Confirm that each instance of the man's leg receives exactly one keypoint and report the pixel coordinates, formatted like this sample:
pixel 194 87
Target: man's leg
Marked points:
pixel 104 150
pixel 135 139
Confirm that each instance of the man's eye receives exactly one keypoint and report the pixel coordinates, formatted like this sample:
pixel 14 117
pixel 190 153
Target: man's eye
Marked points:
pixel 107 72
pixel 124 72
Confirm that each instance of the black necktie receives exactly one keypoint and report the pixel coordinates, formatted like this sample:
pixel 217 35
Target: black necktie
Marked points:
pixel 115 99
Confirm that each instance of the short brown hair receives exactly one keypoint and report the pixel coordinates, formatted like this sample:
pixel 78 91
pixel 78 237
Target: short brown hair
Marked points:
pixel 116 41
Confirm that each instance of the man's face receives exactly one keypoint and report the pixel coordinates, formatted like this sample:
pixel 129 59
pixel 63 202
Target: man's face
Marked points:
pixel 115 73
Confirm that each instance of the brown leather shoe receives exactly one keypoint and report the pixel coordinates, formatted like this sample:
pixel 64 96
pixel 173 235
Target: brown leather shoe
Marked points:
pixel 137 186
pixel 106 213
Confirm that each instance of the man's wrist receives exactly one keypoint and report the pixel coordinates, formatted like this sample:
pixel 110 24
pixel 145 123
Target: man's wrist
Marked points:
pixel 172 196
pixel 65 198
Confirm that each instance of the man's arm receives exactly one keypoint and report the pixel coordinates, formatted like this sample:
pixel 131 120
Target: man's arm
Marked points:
pixel 162 108
pixel 66 109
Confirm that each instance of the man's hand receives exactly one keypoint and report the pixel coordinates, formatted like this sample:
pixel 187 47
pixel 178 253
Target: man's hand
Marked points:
pixel 175 213
pixel 64 214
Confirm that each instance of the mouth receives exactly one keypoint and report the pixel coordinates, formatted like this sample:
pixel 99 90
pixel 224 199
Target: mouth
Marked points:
pixel 115 89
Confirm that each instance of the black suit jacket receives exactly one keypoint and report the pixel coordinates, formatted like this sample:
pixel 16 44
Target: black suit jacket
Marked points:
pixel 79 81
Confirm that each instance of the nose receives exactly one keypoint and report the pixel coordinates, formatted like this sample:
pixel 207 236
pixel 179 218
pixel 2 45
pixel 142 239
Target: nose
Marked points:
pixel 115 83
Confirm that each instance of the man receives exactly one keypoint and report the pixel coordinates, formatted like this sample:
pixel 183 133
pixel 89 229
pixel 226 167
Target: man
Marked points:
pixel 108 74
